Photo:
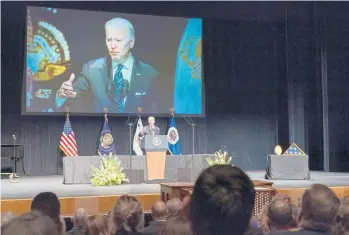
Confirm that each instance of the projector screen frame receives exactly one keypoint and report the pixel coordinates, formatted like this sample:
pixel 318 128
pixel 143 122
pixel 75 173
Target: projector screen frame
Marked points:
pixel 24 84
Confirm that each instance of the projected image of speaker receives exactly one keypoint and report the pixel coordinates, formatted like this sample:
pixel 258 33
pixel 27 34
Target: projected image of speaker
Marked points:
pixel 89 61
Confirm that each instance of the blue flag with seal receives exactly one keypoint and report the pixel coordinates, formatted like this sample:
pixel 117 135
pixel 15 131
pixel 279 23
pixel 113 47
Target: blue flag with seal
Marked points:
pixel 188 79
pixel 174 144
pixel 106 141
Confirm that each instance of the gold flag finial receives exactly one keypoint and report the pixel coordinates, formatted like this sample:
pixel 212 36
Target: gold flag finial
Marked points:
pixel 67 109
pixel 139 109
pixel 172 112
pixel 105 113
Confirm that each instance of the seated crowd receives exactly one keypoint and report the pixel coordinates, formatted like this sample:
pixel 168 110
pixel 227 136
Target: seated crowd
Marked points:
pixel 221 203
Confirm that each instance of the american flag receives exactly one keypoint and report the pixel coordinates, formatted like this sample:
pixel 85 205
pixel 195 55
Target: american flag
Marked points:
pixel 68 143
pixel 294 150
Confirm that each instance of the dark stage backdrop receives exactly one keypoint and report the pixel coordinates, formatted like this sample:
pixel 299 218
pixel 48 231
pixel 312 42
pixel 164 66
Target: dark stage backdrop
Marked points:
pixel 264 71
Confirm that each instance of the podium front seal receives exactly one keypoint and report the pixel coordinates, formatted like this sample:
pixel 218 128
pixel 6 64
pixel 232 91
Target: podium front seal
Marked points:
pixel 156 141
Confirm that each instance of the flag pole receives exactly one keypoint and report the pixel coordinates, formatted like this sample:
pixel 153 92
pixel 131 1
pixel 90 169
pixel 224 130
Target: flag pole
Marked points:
pixel 105 113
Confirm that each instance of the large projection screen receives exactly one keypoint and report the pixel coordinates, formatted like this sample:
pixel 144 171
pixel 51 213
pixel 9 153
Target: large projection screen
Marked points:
pixel 91 61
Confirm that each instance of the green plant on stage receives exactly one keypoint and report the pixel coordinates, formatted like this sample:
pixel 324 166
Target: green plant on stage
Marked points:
pixel 109 172
pixel 221 158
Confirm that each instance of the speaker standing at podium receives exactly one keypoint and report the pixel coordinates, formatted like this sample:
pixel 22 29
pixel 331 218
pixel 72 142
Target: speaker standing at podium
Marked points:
pixel 151 129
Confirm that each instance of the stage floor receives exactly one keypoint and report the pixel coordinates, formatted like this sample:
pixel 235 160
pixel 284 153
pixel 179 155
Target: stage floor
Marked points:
pixel 28 187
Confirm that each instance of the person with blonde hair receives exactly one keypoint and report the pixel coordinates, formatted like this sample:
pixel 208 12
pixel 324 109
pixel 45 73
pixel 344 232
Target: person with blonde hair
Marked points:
pixel 127 217
pixel 96 225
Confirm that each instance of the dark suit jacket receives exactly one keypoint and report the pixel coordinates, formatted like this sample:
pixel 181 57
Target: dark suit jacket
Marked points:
pixel 76 231
pixel 96 74
pixel 146 130
pixel 154 227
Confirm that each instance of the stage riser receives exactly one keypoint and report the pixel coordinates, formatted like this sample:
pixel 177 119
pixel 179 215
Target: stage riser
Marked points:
pixel 94 205
pixel 76 170
pixel 104 204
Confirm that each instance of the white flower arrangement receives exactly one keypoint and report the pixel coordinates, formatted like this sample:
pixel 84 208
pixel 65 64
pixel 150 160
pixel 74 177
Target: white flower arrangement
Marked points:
pixel 109 172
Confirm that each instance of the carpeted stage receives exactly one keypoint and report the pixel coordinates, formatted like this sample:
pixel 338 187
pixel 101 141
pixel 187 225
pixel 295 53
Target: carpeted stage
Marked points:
pixel 16 197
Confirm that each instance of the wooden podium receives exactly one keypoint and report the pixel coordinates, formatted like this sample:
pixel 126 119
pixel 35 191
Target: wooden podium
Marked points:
pixel 156 147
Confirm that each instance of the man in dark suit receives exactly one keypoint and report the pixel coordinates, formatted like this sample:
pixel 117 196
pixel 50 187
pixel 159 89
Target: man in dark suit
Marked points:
pixel 151 129
pixel 119 82
pixel 318 209
pixel 158 212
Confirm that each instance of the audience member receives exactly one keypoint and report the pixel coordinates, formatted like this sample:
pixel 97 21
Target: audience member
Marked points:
pixel 48 204
pixel 6 218
pixel 283 197
pixel 341 223
pixel 127 216
pixel 262 219
pixel 79 219
pixel 96 225
pixel 32 223
pixel 222 201
pixel 158 212
pixel 176 225
pixel 318 208
pixel 279 215
pixel 253 228
pixel 64 226
pixel 174 206
pixel 295 214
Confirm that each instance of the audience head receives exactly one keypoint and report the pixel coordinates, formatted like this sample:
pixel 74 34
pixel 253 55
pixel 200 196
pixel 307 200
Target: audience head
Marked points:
pixel 341 223
pixel 64 226
pixel 32 223
pixel 176 226
pixel 6 218
pixel 96 225
pixel 283 197
pixel 174 206
pixel 127 215
pixel 48 204
pixel 318 208
pixel 158 210
pixel 280 214
pixel 80 217
pixel 222 201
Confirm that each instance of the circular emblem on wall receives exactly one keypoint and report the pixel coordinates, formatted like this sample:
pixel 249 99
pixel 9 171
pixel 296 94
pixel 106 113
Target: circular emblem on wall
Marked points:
pixel 156 141
pixel 172 136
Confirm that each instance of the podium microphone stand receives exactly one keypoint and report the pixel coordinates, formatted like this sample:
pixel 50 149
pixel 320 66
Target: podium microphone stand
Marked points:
pixel 191 122
pixel 130 125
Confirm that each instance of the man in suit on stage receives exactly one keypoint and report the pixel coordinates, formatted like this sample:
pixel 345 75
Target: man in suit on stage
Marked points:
pixel 119 82
pixel 151 129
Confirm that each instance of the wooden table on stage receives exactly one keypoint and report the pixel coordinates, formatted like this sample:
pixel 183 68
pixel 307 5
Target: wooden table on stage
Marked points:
pixel 264 192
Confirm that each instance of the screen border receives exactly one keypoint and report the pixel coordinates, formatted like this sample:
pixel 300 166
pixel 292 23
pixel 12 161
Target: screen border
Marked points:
pixel 24 111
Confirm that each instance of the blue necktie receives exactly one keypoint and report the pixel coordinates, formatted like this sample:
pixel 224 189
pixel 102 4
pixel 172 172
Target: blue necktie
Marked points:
pixel 118 79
